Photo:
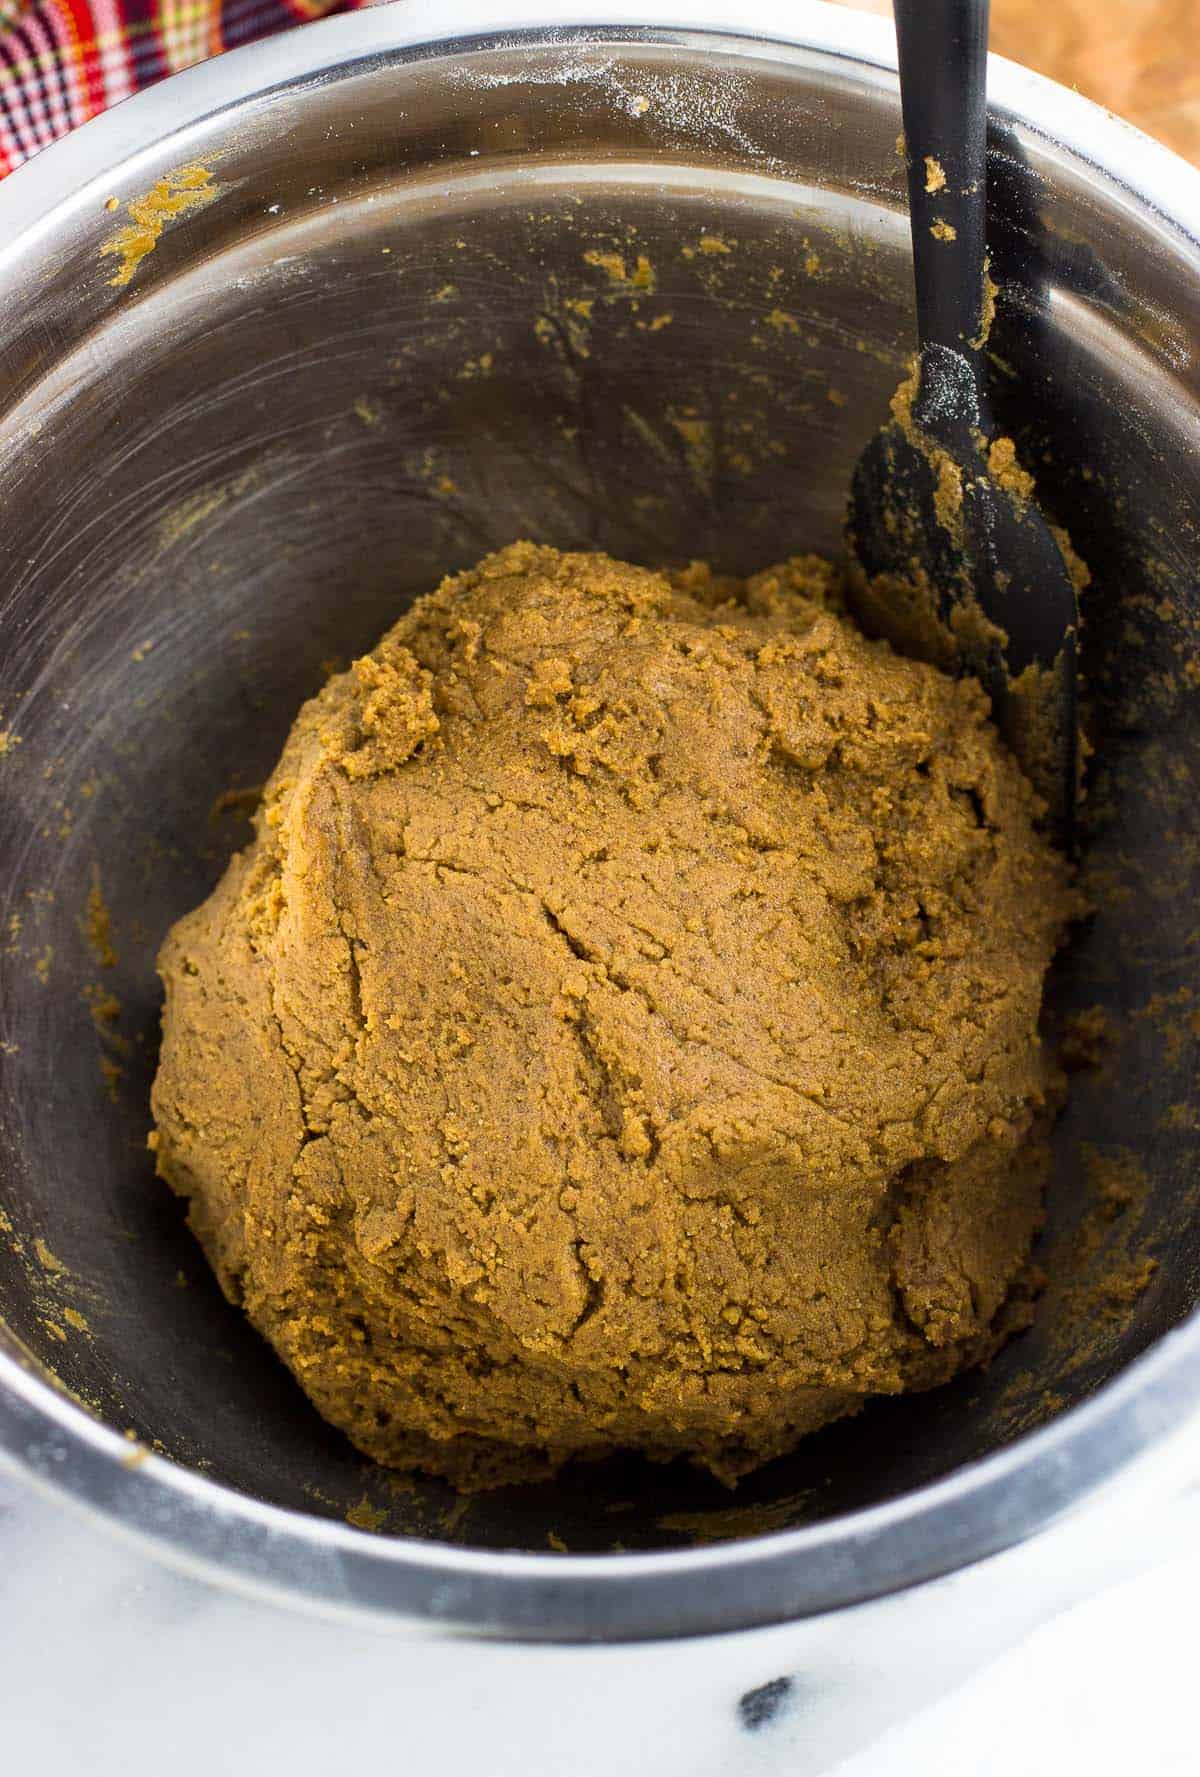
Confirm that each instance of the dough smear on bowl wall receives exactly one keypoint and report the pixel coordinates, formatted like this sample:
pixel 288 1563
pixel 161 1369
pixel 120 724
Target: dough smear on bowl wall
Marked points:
pixel 621 1031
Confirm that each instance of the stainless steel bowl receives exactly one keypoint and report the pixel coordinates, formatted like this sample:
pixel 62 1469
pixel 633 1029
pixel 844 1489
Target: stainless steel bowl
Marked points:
pixel 641 286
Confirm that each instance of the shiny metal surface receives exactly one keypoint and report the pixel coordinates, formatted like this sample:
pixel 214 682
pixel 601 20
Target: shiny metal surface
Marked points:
pixel 445 293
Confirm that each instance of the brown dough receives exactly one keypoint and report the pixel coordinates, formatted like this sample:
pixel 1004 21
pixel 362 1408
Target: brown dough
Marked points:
pixel 622 1030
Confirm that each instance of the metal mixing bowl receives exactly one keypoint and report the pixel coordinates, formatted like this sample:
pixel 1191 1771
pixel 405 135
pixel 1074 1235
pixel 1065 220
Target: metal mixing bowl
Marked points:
pixel 640 288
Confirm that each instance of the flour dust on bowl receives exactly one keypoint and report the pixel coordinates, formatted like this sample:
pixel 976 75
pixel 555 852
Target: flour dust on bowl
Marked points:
pixel 401 299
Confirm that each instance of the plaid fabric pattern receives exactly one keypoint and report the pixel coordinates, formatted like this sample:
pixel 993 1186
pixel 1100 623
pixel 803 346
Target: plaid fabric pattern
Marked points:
pixel 63 61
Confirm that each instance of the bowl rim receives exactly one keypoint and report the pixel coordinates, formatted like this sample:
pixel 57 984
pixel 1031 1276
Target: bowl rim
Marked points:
pixel 298 1558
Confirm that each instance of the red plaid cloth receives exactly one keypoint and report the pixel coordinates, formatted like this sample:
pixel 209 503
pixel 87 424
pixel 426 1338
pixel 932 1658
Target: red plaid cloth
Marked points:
pixel 62 61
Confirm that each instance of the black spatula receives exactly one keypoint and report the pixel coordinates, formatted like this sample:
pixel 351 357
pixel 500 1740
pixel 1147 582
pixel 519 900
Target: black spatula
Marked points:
pixel 950 556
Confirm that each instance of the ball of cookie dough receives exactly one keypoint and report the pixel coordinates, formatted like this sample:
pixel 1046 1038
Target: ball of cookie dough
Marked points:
pixel 622 1029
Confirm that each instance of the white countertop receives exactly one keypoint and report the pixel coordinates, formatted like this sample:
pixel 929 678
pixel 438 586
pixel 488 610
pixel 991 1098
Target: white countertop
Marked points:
pixel 113 1664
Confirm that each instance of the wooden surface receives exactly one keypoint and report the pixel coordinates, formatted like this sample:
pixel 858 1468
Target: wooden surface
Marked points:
pixel 1141 58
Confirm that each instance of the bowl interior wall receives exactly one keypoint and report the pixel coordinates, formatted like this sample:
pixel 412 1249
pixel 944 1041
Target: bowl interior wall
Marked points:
pixel 428 312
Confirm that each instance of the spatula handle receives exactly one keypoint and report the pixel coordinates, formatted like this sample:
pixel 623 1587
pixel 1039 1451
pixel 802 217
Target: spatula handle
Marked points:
pixel 943 86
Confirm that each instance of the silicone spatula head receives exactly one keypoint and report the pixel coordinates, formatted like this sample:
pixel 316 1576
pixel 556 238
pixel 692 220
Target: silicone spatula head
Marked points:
pixel 951 557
